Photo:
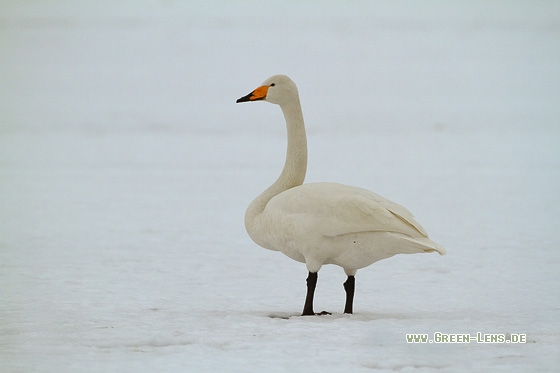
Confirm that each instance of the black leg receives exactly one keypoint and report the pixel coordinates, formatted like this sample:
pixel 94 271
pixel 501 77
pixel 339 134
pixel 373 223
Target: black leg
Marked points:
pixel 349 286
pixel 311 284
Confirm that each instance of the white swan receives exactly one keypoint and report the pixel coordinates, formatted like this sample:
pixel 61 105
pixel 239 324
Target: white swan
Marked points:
pixel 325 223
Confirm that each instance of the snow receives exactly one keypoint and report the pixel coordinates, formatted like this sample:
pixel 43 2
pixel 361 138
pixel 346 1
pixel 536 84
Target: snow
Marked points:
pixel 126 168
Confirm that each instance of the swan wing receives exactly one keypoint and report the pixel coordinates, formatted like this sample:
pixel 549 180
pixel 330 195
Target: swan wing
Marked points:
pixel 336 209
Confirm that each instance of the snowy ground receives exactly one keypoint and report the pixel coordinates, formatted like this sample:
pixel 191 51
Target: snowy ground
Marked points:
pixel 126 168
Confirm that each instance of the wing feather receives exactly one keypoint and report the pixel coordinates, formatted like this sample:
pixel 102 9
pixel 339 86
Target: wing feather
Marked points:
pixel 336 209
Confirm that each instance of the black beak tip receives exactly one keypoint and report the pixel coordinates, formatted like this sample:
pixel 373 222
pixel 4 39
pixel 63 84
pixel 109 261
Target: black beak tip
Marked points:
pixel 244 98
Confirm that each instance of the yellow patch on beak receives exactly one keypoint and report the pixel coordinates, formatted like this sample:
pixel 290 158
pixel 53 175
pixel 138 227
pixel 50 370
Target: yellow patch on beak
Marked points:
pixel 259 93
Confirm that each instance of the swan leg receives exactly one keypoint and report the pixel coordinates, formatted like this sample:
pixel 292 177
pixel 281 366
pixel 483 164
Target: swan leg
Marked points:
pixel 349 286
pixel 308 306
pixel 311 284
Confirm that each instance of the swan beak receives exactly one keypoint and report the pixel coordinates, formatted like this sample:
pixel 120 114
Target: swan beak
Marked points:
pixel 257 94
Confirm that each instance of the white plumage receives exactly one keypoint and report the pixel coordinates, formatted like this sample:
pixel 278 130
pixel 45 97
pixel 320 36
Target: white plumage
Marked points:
pixel 325 223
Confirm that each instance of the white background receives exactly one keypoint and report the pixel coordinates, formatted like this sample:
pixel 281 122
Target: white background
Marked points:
pixel 126 168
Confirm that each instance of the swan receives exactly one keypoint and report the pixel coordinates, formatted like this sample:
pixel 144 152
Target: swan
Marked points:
pixel 325 223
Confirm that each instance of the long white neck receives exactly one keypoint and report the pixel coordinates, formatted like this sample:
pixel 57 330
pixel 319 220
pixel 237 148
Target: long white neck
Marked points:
pixel 295 167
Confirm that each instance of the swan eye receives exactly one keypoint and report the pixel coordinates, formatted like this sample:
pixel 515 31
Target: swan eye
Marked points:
pixel 273 84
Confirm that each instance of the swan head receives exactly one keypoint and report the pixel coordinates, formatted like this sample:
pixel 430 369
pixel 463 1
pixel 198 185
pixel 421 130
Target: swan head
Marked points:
pixel 278 89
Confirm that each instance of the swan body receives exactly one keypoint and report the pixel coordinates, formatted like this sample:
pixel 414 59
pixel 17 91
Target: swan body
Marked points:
pixel 329 223
pixel 325 223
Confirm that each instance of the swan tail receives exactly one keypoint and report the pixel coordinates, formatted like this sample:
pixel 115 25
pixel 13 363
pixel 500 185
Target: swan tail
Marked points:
pixel 424 244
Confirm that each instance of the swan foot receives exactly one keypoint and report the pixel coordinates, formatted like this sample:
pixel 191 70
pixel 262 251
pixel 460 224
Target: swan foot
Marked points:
pixel 322 313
